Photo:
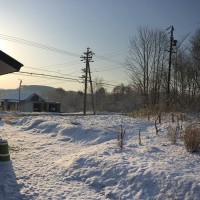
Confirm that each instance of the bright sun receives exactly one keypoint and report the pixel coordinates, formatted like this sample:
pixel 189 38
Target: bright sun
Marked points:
pixel 2 45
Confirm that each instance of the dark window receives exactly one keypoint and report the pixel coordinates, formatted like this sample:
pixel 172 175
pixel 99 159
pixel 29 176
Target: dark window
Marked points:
pixel 35 98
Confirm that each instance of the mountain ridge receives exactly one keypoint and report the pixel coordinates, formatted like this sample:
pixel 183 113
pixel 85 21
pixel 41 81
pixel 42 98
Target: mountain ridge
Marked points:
pixel 39 89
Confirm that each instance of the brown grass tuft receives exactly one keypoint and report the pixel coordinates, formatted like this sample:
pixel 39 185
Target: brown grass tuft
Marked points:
pixel 172 135
pixel 191 138
pixel 10 119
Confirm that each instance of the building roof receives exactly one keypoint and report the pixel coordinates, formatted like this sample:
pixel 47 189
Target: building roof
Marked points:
pixel 15 96
pixel 8 64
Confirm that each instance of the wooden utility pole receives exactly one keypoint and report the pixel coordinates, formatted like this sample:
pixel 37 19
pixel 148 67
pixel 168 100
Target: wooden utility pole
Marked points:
pixel 87 58
pixel 92 93
pixel 172 43
pixel 20 84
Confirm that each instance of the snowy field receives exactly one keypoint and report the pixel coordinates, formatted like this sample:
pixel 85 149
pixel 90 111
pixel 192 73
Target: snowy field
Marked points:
pixel 77 157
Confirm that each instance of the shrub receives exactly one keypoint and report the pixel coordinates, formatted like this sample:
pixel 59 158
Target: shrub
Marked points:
pixel 191 138
pixel 172 135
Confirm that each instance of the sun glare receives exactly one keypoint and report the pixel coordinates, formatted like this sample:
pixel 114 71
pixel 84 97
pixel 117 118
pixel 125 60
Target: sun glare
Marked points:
pixel 2 45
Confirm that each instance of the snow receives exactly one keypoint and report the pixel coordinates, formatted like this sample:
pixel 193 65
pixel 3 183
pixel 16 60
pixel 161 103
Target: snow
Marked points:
pixel 77 157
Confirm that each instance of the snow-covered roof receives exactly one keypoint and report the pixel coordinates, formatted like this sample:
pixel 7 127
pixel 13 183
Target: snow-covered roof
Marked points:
pixel 15 96
pixel 8 64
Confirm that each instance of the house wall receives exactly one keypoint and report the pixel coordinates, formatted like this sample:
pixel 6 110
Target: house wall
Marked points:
pixel 26 106
pixel 33 104
pixel 53 107
pixel 9 106
pixel 38 107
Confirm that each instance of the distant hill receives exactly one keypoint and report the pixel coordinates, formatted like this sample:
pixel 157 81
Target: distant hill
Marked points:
pixel 39 89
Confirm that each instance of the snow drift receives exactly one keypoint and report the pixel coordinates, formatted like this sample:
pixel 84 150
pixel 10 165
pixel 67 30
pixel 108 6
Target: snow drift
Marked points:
pixel 76 157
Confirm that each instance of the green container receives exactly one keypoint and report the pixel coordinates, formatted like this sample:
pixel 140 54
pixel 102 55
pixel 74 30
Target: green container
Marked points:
pixel 4 152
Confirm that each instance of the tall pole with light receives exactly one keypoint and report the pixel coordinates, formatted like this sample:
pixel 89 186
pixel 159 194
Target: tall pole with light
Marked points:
pixel 172 44
pixel 20 85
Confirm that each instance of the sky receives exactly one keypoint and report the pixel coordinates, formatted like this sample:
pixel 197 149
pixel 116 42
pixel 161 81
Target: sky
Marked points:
pixel 58 32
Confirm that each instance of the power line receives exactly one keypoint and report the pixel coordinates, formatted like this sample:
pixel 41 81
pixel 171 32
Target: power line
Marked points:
pixel 97 71
pixel 50 71
pixel 56 50
pixel 116 53
pixel 49 48
pixel 50 83
pixel 188 25
pixel 101 57
pixel 37 45
pixel 61 65
pixel 49 76
pixel 108 84
pixel 59 78
pixel 75 72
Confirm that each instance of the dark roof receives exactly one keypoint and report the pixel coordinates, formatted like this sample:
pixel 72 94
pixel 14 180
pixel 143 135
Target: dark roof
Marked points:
pixel 8 64
pixel 15 96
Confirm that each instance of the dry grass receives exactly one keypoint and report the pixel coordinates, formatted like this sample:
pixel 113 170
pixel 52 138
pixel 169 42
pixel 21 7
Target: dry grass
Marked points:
pixel 172 135
pixel 10 119
pixel 191 138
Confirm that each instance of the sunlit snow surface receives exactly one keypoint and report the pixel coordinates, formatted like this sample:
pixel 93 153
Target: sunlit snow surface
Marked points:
pixel 77 157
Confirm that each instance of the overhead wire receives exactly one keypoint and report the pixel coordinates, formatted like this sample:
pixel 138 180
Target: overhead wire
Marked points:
pixel 58 78
pixel 49 71
pixel 101 57
pixel 48 76
pixel 49 83
pixel 97 71
pixel 116 53
pixel 56 50
pixel 49 48
pixel 62 65
pixel 38 45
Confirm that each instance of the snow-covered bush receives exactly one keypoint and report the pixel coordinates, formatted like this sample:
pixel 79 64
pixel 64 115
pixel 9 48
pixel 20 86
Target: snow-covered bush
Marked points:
pixel 191 138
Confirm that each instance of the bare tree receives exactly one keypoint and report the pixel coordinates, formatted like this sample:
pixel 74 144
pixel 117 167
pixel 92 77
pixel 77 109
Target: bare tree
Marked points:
pixel 100 93
pixel 195 54
pixel 146 63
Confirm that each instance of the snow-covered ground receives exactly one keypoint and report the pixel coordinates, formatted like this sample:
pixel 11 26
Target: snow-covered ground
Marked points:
pixel 77 157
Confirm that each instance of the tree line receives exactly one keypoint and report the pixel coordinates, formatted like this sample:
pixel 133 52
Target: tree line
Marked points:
pixel 120 99
pixel 147 65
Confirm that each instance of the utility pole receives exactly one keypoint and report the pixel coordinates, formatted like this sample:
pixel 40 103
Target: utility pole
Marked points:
pixel 20 84
pixel 87 58
pixel 92 93
pixel 172 43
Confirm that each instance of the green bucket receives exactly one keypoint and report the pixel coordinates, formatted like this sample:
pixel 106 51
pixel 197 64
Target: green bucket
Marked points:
pixel 4 152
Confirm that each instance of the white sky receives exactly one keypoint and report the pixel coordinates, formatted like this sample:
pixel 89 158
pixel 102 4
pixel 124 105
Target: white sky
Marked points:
pixel 105 26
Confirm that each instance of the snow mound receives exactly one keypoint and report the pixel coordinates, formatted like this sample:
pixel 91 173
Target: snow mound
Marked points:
pixel 77 157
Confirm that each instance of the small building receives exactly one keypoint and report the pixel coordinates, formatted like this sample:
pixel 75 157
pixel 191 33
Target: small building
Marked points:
pixel 28 102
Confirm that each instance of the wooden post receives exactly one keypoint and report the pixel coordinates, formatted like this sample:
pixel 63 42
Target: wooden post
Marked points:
pixel 140 142
pixel 172 117
pixel 159 118
pixel 148 116
pixel 156 125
